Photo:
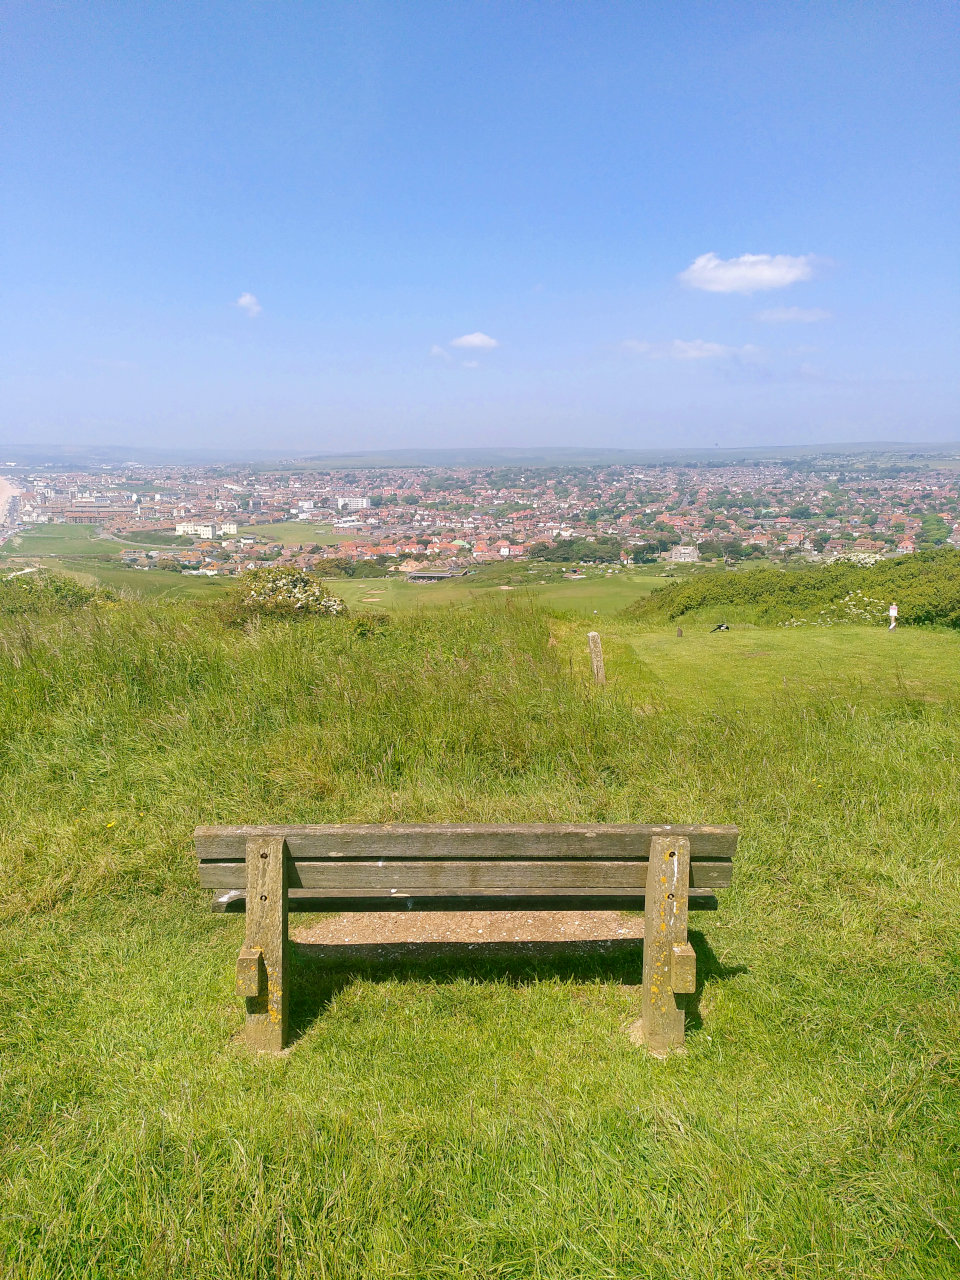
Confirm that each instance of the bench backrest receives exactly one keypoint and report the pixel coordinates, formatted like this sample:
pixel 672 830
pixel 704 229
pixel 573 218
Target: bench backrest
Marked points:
pixel 464 867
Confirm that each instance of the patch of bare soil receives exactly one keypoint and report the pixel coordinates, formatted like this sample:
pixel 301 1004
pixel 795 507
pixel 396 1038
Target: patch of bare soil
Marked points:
pixel 384 928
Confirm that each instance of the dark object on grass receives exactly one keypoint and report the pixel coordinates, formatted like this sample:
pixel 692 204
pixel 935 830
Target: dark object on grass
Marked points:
pixel 721 626
pixel 679 632
pixel 268 871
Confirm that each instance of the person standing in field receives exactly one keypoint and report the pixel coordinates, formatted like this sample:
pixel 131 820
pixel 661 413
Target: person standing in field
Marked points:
pixel 893 617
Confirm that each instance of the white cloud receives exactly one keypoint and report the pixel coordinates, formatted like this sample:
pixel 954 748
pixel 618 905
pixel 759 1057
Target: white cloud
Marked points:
pixel 749 273
pixel 691 349
pixel 480 340
pixel 440 353
pixel 249 304
pixel 699 350
pixel 793 315
pixel 471 364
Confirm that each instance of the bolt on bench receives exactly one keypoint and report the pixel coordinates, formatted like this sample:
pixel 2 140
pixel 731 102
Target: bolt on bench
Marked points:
pixel 268 871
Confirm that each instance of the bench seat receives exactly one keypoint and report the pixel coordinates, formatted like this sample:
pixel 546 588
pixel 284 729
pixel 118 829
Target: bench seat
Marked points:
pixel 269 871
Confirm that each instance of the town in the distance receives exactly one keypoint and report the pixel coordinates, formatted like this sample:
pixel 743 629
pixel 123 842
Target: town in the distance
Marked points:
pixel 429 521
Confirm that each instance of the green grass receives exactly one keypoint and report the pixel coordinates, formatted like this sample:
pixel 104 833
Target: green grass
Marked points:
pixel 150 583
pixel 293 533
pixel 598 595
pixel 751 664
pixel 152 538
pixel 61 540
pixel 80 551
pixel 594 593
pixel 478 1119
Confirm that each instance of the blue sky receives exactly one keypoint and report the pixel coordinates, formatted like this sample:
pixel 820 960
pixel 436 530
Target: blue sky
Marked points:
pixel 269 224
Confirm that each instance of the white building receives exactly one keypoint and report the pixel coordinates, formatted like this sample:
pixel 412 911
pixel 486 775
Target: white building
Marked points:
pixel 683 555
pixel 206 528
pixel 347 502
pixel 35 515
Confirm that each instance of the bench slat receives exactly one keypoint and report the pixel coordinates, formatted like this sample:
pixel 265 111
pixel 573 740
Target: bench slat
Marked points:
pixel 473 876
pixel 585 840
pixel 370 900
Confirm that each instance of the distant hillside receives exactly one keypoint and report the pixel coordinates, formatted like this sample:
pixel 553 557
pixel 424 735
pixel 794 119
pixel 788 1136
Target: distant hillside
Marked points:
pixel 81 456
pixel 550 456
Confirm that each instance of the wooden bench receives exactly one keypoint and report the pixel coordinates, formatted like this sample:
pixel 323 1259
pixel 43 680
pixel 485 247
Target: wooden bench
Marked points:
pixel 268 871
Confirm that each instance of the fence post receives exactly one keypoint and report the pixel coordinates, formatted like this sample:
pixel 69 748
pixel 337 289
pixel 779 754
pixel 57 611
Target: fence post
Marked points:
pixel 596 658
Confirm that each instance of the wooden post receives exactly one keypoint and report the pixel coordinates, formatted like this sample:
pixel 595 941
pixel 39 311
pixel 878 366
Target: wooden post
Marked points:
pixel 262 964
pixel 596 658
pixel 669 964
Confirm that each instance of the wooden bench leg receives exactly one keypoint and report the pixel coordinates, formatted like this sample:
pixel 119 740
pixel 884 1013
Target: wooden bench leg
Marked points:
pixel 262 964
pixel 669 964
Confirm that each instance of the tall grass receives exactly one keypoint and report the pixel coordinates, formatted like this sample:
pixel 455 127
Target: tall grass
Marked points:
pixel 481 1117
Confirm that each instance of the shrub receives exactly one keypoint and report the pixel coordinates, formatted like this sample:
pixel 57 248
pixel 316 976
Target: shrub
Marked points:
pixel 285 591
pixel 862 559
pixel 925 587
pixel 604 549
pixel 855 607
pixel 43 592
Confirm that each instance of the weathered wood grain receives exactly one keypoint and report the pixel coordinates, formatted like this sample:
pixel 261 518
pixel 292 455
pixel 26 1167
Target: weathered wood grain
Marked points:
pixel 302 900
pixel 266 937
pixel 474 876
pixel 665 928
pixel 535 840
pixel 251 973
pixel 683 969
pixel 596 657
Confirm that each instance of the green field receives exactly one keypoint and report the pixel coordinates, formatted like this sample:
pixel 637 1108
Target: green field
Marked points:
pixel 478 1117
pixel 149 584
pixel 147 538
pixel 591 594
pixel 295 533
pixel 80 551
pixel 74 540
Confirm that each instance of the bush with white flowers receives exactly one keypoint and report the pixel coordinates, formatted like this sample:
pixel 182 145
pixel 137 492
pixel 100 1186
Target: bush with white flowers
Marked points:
pixel 855 607
pixel 282 589
pixel 862 559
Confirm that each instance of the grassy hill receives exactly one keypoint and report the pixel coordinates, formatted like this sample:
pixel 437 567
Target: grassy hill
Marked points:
pixel 485 1118
pixel 925 587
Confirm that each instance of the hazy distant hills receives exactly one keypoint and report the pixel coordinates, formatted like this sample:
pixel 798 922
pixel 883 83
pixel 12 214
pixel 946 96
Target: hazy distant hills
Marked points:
pixel 85 457
pixel 549 457
pixel 93 456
